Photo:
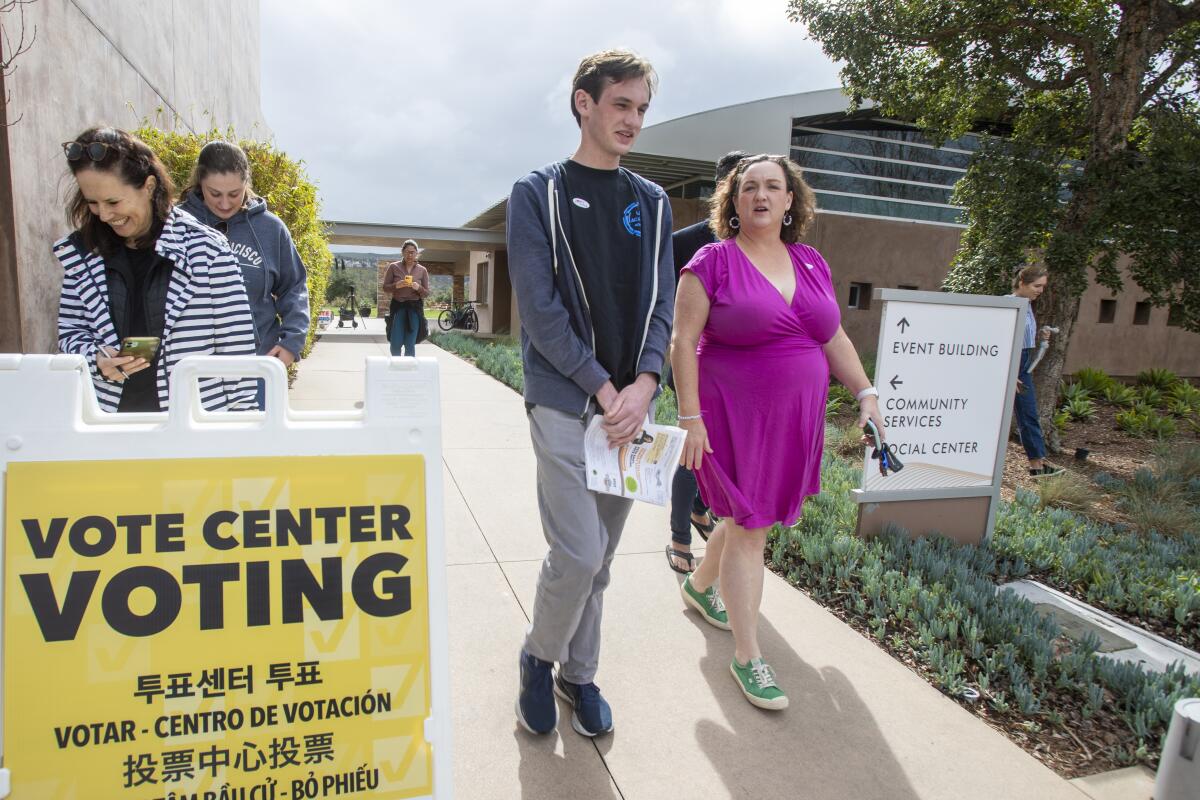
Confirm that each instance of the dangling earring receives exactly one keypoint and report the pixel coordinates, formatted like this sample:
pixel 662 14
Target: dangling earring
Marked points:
pixel 735 223
pixel 787 218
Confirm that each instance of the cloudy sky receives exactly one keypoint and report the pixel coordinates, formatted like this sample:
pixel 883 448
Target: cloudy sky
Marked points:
pixel 424 112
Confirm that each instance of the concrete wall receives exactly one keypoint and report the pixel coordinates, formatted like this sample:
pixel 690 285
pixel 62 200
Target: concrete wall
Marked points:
pixel 1123 349
pixel 185 65
pixel 885 254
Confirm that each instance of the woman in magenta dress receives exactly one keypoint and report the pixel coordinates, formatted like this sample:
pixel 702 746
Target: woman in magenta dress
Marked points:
pixel 757 334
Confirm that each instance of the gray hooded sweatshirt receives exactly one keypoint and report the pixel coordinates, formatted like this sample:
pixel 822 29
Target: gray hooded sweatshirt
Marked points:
pixel 275 277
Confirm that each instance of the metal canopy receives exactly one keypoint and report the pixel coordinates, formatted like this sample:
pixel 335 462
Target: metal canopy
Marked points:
pixel 430 237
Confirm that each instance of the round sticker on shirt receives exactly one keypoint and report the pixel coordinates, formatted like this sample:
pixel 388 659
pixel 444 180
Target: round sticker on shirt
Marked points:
pixel 579 201
pixel 633 218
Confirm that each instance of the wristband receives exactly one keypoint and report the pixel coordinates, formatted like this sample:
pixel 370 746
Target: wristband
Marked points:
pixel 697 416
pixel 870 391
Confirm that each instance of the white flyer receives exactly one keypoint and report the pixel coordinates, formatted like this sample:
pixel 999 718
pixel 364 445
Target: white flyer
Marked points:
pixel 640 470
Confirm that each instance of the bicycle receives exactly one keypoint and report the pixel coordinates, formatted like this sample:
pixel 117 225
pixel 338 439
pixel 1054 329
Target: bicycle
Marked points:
pixel 459 316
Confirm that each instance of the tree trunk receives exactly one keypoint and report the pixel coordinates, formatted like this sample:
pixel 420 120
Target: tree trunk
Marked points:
pixel 1058 308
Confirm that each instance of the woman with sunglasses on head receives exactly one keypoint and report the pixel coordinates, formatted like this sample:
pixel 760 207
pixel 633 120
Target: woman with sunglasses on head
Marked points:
pixel 219 194
pixel 757 335
pixel 138 267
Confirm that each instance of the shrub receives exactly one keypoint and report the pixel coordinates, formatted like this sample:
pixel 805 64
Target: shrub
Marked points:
pixel 1066 490
pixel 1142 421
pixel 1120 395
pixel 1180 408
pixel 1075 391
pixel 1081 409
pixel 279 179
pixel 1183 399
pixel 1185 392
pixel 1160 427
pixel 935 604
pixel 1060 420
pixel 666 412
pixel 839 398
pixel 500 358
pixel 1096 381
pixel 1161 379
pixel 1152 396
pixel 1163 498
pixel 845 441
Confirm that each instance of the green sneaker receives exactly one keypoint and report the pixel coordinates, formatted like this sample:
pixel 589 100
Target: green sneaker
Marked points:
pixel 708 603
pixel 757 682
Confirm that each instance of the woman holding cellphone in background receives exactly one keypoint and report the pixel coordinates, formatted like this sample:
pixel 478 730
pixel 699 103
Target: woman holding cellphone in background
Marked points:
pixel 137 267
pixel 757 334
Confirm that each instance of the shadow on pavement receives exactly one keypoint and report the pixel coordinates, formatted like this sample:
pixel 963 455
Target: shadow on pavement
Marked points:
pixel 543 772
pixel 826 744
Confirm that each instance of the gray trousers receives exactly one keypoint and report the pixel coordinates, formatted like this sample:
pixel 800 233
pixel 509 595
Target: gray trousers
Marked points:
pixel 582 528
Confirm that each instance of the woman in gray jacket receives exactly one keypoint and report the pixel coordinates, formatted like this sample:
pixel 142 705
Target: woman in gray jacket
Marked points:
pixel 220 196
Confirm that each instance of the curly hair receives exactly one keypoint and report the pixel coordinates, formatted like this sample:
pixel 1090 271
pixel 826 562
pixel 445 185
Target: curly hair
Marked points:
pixel 133 162
pixel 804 203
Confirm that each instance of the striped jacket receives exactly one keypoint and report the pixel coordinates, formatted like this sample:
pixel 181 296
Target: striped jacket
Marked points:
pixel 207 311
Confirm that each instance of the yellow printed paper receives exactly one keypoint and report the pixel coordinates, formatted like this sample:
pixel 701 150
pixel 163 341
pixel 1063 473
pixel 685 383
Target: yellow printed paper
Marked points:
pixel 235 629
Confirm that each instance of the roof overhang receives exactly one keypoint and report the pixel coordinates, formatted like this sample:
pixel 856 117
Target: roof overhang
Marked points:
pixel 375 234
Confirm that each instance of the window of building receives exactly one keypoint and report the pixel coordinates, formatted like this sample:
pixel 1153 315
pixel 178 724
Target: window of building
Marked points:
pixel 881 168
pixel 1175 316
pixel 1141 313
pixel 483 269
pixel 1108 310
pixel 860 296
pixel 872 207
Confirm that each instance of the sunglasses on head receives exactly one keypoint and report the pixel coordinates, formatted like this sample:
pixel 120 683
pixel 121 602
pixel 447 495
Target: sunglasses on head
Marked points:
pixel 96 151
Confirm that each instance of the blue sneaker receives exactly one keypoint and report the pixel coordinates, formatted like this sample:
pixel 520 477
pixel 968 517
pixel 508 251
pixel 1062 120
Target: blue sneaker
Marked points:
pixel 536 710
pixel 592 715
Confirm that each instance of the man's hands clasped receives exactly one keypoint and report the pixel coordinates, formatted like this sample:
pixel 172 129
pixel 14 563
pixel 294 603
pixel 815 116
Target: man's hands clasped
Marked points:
pixel 625 411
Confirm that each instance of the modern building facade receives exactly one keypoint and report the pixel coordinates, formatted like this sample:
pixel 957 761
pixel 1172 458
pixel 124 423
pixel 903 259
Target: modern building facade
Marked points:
pixel 885 216
pixel 190 66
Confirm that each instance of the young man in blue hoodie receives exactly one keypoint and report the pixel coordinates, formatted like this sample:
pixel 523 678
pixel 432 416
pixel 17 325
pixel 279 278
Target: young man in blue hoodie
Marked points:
pixel 589 253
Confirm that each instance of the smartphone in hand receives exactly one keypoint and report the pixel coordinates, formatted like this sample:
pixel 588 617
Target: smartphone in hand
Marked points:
pixel 143 347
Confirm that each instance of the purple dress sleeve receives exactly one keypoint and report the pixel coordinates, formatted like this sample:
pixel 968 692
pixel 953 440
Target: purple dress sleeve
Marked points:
pixel 709 267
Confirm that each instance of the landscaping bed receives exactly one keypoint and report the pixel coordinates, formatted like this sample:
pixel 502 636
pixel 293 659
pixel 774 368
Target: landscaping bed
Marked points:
pixel 933 605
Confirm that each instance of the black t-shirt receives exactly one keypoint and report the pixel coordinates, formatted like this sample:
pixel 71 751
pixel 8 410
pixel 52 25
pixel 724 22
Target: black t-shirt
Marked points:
pixel 606 231
pixel 140 392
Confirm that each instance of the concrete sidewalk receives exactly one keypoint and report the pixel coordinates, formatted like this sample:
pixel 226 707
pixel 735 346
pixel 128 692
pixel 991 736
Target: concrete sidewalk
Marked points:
pixel 860 725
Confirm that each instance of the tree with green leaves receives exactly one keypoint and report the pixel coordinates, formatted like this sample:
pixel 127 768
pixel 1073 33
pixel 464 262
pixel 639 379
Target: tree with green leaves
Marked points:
pixel 1094 162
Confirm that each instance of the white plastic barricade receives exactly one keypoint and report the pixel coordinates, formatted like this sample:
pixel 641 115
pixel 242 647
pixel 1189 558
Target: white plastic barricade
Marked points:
pixel 236 606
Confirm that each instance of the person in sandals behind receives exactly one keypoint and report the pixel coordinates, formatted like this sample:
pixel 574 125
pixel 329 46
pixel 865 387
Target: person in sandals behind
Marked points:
pixel 757 334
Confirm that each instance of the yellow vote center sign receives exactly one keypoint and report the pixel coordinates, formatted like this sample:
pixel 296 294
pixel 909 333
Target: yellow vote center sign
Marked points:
pixel 225 628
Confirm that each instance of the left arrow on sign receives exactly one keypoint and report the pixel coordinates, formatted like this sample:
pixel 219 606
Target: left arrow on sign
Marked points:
pixel 895 381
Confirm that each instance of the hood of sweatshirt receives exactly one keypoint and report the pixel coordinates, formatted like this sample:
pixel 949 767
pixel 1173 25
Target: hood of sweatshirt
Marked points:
pixel 271 270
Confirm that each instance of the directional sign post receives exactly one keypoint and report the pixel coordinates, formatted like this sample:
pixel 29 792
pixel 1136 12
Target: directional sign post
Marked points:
pixel 946 372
